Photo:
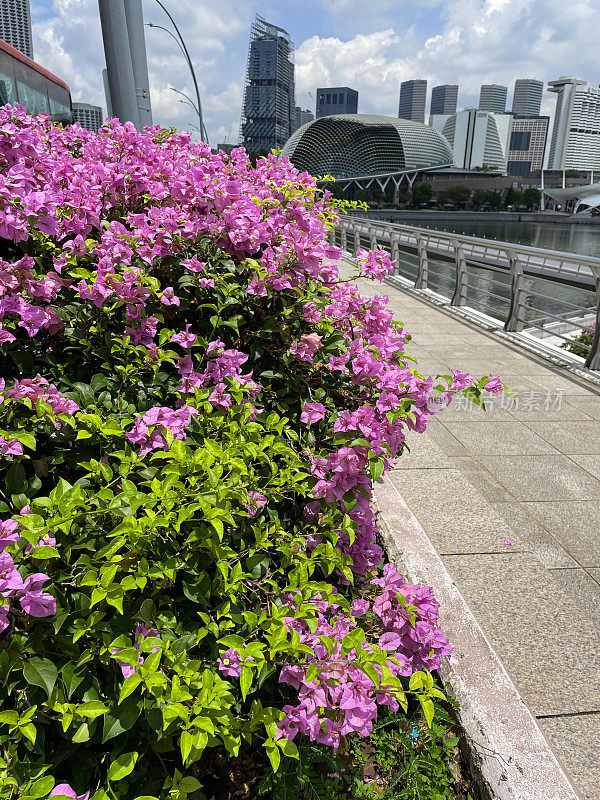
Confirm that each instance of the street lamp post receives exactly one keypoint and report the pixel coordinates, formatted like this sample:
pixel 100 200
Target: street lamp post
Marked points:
pixel 182 46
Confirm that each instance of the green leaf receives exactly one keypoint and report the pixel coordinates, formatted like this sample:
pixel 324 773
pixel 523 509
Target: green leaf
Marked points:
pixel 274 753
pixel 92 709
pixel 123 766
pixel 428 709
pixel 40 672
pixel 189 784
pixel 42 786
pixel 121 718
pixel 82 734
pixel 16 482
pixel 245 681
pixel 129 685
pixel 288 748
pixel 376 469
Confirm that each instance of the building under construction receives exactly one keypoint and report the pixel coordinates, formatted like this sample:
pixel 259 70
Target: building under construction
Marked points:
pixel 268 106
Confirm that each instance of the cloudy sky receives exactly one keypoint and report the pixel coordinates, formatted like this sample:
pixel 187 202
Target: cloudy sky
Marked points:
pixel 370 45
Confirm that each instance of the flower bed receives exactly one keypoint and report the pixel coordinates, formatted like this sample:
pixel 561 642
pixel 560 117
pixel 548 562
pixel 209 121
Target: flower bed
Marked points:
pixel 193 410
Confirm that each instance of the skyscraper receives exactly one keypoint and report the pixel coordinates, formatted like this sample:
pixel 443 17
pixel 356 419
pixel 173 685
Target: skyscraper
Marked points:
pixel 444 99
pixel 478 138
pixel 412 100
pixel 336 100
pixel 269 108
pixel 89 117
pixel 575 140
pixel 15 25
pixel 303 115
pixel 492 97
pixel 527 99
pixel 527 145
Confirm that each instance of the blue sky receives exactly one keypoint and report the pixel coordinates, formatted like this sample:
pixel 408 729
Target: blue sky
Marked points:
pixel 370 45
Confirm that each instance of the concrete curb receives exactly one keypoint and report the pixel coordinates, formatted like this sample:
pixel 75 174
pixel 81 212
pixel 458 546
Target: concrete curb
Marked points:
pixel 508 749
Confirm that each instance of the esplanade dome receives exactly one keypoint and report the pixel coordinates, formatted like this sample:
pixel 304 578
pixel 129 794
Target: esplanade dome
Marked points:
pixel 356 145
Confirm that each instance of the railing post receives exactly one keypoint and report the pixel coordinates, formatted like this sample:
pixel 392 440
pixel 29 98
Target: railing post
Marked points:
pixel 394 250
pixel 343 236
pixel 516 313
pixel 460 292
pixel 593 359
pixel 423 266
pixel 356 238
pixel 372 239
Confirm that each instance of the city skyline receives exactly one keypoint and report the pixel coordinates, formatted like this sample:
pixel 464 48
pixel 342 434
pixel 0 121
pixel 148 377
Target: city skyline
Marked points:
pixel 336 46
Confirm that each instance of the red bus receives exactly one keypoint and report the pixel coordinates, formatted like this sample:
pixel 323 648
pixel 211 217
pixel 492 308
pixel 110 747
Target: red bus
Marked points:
pixel 35 88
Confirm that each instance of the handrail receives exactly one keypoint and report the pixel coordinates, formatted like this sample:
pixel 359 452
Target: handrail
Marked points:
pixel 485 243
pixel 463 251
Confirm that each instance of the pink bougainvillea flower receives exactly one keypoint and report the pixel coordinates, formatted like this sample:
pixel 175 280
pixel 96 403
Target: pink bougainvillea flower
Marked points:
pixel 230 663
pixel 494 385
pixel 33 600
pixel 8 532
pixel 65 790
pixel 193 264
pixel 10 447
pixel 185 338
pixel 312 412
pixel 360 607
pixel 256 502
pixel 168 297
pixel 461 380
pixel 306 347
pixel 509 542
pixel 6 336
pixel 10 578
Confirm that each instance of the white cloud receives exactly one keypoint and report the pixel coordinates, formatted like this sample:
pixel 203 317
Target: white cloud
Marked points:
pixel 480 41
pixel 468 42
pixel 68 41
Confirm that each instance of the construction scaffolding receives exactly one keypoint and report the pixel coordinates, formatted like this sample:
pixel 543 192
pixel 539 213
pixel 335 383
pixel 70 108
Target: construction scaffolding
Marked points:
pixel 268 102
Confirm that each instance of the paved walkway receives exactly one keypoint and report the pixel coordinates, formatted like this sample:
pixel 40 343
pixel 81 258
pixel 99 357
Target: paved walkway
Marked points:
pixel 530 473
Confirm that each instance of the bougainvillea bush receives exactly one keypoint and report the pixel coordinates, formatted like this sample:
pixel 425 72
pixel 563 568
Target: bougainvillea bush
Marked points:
pixel 192 411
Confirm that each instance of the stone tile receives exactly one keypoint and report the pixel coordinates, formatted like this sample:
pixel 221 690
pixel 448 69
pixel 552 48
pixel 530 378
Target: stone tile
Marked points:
pixel 553 381
pixel 483 480
pixel 595 573
pixel 583 588
pixel 590 463
pixel 548 407
pixel 575 524
pixel 521 384
pixel 570 438
pixel 549 477
pixel 424 454
pixel 548 646
pixel 454 515
pixel 533 537
pixel 589 404
pixel 575 740
pixel 499 437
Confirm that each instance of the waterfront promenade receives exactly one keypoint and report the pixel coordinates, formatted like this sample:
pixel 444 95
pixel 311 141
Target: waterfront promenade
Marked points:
pixel 528 472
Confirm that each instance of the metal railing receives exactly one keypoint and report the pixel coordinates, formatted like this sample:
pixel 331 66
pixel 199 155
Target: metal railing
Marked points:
pixel 503 278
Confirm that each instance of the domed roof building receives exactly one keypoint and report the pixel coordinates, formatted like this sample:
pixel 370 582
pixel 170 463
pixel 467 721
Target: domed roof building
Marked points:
pixel 356 145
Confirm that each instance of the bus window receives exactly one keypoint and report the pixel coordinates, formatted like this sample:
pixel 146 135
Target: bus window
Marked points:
pixel 7 80
pixel 60 102
pixel 31 89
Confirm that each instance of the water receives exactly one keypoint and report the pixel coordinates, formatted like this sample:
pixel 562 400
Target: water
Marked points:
pixel 583 239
